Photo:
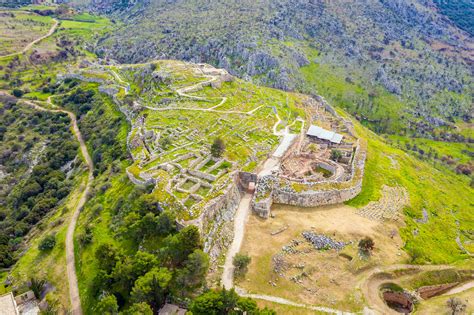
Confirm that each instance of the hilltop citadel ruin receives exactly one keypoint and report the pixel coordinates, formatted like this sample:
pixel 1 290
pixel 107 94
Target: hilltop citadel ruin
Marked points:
pixel 309 157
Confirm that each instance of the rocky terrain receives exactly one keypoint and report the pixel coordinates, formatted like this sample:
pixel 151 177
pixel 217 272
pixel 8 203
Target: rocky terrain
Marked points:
pixel 403 66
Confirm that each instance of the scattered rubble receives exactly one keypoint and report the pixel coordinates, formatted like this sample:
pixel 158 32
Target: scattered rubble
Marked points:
pixel 321 241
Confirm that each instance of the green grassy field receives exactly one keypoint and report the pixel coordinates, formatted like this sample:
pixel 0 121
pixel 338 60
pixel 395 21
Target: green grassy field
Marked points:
pixel 446 197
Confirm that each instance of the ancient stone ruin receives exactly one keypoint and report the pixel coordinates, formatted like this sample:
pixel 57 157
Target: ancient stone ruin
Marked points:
pixel 321 167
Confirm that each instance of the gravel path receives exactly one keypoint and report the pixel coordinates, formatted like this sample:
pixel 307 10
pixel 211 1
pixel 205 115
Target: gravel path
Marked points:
pixel 283 301
pixel 466 286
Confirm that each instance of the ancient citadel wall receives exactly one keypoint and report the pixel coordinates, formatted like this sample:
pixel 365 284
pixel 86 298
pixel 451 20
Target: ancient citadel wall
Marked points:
pixel 216 220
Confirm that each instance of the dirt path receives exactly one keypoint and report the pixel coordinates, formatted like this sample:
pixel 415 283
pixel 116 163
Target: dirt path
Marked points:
pixel 240 218
pixel 70 261
pixel 283 301
pixel 31 44
pixel 466 286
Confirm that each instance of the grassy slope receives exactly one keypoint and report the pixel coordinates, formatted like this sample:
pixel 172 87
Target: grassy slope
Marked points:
pixel 444 195
pixel 331 83
pixel 439 191
pixel 86 263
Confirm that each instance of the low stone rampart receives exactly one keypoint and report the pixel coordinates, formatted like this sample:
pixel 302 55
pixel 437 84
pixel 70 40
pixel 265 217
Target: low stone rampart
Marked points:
pixel 317 197
pixel 202 175
pixel 136 181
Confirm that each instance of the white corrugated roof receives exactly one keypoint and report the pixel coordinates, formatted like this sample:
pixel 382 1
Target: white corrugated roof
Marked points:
pixel 324 134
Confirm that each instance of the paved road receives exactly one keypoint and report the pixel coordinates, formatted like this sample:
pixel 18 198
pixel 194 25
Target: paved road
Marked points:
pixel 32 43
pixel 70 261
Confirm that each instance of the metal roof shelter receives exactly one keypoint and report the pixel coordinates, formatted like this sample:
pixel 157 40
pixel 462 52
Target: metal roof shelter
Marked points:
pixel 321 133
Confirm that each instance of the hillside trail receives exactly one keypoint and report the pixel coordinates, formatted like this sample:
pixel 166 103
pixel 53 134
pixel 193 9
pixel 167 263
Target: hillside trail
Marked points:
pixel 241 216
pixel 466 286
pixel 70 261
pixel 240 220
pixel 34 42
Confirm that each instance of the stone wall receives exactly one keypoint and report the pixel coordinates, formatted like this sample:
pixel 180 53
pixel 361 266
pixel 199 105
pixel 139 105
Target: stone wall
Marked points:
pixel 262 207
pixel 315 198
pixel 216 221
pixel 136 181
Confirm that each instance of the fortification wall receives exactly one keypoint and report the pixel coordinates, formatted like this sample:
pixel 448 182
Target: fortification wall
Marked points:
pixel 136 181
pixel 317 197
pixel 216 221
pixel 262 207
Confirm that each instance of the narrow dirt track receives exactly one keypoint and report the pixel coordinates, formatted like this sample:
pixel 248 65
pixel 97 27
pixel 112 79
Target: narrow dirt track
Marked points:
pixel 283 301
pixel 70 261
pixel 239 230
pixel 31 44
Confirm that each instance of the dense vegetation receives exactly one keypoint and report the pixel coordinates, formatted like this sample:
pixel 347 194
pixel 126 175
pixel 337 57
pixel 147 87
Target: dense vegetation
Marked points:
pixel 37 148
pixel 461 12
pixel 101 132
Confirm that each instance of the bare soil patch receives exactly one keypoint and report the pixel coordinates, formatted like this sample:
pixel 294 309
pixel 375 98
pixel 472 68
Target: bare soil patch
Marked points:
pixel 317 277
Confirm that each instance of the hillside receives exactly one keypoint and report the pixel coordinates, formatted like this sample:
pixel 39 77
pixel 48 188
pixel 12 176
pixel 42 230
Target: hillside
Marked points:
pixel 128 180
pixel 399 67
pixel 461 12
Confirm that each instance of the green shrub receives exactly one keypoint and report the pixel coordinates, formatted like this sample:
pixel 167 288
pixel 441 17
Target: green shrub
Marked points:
pixel 217 148
pixel 240 262
pixel 47 243
pixel 18 92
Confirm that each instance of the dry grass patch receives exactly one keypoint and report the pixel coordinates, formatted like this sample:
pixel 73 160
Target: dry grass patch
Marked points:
pixel 318 277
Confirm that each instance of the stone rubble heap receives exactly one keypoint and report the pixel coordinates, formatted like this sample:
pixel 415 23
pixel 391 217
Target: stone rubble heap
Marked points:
pixel 321 241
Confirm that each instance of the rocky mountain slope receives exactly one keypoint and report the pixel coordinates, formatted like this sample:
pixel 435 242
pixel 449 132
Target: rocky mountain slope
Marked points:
pixel 402 66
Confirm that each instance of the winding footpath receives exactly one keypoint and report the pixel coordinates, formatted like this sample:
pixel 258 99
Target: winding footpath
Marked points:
pixel 34 42
pixel 70 261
